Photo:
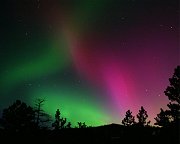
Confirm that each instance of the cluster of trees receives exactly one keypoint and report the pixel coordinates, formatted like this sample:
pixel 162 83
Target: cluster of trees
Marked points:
pixel 142 116
pixel 166 118
pixel 20 117
pixel 171 116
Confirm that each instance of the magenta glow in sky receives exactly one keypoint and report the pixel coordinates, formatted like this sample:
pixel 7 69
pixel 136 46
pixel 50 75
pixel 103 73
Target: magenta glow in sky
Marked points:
pixel 134 77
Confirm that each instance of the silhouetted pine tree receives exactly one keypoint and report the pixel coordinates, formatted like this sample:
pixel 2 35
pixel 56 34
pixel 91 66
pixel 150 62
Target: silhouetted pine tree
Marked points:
pixel 18 117
pixel 142 117
pixel 56 124
pixel 171 116
pixel 129 119
pixel 173 93
pixel 163 118
pixel 60 122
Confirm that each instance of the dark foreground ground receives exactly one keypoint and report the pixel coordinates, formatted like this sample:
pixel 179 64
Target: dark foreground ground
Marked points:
pixel 110 134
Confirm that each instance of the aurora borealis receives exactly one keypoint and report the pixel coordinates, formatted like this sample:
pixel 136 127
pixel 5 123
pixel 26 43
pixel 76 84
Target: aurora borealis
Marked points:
pixel 92 59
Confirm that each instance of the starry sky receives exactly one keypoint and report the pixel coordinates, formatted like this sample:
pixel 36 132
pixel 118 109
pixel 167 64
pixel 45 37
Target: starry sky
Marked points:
pixel 92 59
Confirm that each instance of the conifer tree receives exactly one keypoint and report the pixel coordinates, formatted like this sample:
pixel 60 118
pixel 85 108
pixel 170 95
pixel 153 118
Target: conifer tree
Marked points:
pixel 129 119
pixel 59 122
pixel 172 115
pixel 142 117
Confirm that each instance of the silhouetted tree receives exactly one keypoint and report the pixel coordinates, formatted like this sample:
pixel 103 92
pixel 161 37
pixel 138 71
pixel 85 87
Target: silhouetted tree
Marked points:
pixel 173 93
pixel 60 122
pixel 68 125
pixel 56 124
pixel 18 117
pixel 63 122
pixel 41 117
pixel 129 119
pixel 172 115
pixel 82 125
pixel 163 118
pixel 142 117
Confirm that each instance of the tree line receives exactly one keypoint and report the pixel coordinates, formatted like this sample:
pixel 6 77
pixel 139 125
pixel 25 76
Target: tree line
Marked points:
pixel 20 117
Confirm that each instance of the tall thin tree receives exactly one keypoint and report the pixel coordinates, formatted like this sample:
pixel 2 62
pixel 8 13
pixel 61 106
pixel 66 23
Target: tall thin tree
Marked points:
pixel 41 117
pixel 142 117
pixel 129 119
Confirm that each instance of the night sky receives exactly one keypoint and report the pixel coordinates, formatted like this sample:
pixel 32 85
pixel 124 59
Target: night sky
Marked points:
pixel 92 59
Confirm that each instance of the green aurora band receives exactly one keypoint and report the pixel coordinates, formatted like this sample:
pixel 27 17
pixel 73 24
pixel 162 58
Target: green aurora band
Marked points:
pixel 52 58
pixel 75 105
